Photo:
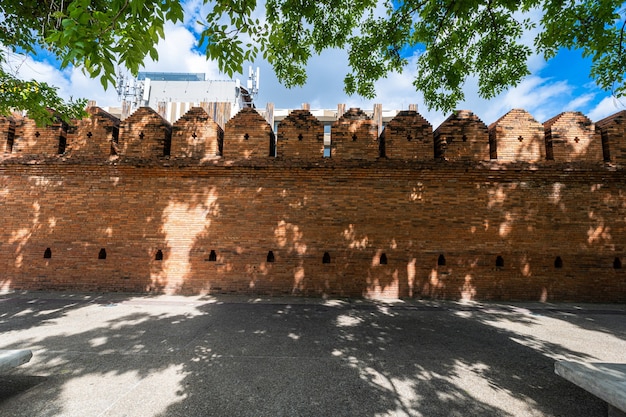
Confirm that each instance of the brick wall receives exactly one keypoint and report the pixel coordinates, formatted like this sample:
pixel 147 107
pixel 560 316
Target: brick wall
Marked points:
pixel 197 136
pixel 613 131
pixel 144 134
pixel 517 137
pixel 462 137
pixel 30 139
pixel 408 136
pixel 95 137
pixel 7 134
pixel 300 136
pixel 248 136
pixel 571 136
pixel 354 136
pixel 460 230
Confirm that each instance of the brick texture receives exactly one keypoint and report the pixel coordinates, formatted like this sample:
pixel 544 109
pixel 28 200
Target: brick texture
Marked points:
pixel 248 136
pixel 30 139
pixel 7 134
pixel 386 227
pixel 408 136
pixel 462 137
pixel 300 136
pixel 95 137
pixel 571 136
pixel 613 133
pixel 145 135
pixel 354 136
pixel 517 137
pixel 196 136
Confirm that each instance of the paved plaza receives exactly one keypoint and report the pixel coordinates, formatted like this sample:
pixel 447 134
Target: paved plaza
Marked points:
pixel 133 355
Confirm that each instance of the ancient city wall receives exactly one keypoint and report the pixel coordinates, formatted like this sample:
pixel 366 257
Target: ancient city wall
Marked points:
pixel 354 226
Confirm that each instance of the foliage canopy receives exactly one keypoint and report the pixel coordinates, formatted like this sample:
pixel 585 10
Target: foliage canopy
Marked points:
pixel 491 40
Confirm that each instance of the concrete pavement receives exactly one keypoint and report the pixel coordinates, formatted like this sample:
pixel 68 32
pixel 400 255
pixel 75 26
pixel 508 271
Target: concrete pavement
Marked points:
pixel 131 355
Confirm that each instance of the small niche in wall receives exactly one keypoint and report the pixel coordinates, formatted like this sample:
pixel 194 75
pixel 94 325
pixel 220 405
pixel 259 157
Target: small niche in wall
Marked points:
pixel 47 254
pixel 212 256
pixel 159 255
pixel 300 137
pixel 441 261
pixel 246 136
pixel 617 263
pixel 499 262
pixel 383 259
pixel 102 254
pixel 326 258
pixel 558 262
pixel 270 256
pixel 354 137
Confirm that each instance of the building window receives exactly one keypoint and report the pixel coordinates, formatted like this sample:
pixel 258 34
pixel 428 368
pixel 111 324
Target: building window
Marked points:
pixel 102 254
pixel 270 256
pixel 158 256
pixel 212 256
pixel 441 261
pixel 499 262
pixel 47 254
pixel 383 259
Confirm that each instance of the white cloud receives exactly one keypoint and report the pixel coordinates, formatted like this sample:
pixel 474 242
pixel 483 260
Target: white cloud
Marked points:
pixel 606 107
pixel 580 103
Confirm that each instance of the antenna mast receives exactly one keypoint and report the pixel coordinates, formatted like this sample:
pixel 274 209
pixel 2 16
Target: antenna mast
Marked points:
pixel 129 92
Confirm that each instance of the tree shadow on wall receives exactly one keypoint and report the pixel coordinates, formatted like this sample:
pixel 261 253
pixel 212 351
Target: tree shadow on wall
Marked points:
pixel 303 359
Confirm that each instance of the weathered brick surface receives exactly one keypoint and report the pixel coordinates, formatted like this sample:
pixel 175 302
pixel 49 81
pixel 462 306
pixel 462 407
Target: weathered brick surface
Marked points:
pixel 462 137
pixel 516 137
pixel 613 133
pixel 7 134
pixel 30 139
pixel 408 136
pixel 144 134
pixel 458 230
pixel 94 137
pixel 571 136
pixel 248 136
pixel 354 136
pixel 197 136
pixel 300 136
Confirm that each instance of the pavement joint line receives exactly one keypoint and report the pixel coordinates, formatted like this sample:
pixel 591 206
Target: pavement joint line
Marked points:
pixel 122 396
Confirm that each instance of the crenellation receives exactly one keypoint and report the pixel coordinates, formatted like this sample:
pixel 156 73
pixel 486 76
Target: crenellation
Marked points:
pixel 145 134
pixel 248 136
pixel 7 134
pixel 571 136
pixel 195 135
pixel 462 137
pixel 95 137
pixel 408 136
pixel 351 225
pixel 300 136
pixel 612 131
pixel 354 136
pixel 32 140
pixel 517 137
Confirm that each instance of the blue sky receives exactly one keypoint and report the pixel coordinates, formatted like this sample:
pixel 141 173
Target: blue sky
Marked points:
pixel 562 84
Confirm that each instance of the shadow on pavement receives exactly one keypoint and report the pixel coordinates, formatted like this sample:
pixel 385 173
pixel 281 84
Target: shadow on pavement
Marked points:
pixel 204 358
